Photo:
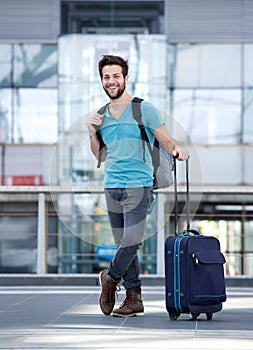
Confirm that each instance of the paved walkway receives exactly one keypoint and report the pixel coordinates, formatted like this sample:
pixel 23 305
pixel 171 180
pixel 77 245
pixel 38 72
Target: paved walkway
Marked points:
pixel 69 318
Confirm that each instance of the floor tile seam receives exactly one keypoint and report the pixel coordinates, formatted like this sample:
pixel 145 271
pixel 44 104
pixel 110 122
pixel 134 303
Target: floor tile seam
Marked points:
pixel 115 332
pixel 66 311
pixel 36 332
pixel 16 304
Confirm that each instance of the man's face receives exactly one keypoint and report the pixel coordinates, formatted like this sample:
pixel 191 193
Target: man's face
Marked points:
pixel 113 81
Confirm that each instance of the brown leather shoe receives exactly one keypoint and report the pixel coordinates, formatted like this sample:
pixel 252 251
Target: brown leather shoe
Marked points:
pixel 109 289
pixel 131 306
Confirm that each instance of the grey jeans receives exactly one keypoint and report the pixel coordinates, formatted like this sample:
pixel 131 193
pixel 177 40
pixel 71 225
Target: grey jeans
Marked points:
pixel 127 211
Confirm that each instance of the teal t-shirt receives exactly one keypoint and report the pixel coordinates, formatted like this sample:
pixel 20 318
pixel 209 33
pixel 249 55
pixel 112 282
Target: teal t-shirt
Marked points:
pixel 124 165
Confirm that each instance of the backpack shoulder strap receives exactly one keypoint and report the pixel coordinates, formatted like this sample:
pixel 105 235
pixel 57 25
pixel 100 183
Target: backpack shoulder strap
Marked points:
pixel 136 107
pixel 102 109
pixel 99 137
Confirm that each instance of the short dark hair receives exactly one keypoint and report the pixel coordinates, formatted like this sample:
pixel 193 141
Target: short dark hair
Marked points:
pixel 108 60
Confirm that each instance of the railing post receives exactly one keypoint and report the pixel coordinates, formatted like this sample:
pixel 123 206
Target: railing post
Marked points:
pixel 160 234
pixel 41 236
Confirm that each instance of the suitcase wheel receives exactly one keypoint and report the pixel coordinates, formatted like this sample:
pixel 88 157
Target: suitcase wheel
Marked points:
pixel 194 315
pixel 174 316
pixel 209 316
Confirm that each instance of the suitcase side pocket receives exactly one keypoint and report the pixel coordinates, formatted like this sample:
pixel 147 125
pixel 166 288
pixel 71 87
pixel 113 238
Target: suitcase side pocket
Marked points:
pixel 207 285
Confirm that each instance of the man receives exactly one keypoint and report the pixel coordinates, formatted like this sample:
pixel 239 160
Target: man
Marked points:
pixel 128 181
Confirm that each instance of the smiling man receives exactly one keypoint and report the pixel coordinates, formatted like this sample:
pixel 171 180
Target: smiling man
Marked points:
pixel 128 181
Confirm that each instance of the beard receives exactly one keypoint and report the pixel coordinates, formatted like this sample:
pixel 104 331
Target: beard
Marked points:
pixel 120 92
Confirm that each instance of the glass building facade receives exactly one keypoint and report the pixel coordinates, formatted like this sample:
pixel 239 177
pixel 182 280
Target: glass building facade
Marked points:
pixel 205 92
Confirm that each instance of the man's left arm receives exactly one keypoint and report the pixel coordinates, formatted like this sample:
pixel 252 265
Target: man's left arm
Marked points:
pixel 172 146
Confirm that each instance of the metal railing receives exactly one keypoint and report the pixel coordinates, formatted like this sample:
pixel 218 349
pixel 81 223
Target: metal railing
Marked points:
pixel 237 194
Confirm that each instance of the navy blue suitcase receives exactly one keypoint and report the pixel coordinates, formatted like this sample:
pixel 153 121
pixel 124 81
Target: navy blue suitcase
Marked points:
pixel 194 273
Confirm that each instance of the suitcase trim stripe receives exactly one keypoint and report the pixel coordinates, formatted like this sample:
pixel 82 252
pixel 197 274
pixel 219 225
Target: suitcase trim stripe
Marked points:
pixel 177 277
pixel 210 296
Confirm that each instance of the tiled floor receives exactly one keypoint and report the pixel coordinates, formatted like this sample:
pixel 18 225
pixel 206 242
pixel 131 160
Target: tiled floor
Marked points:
pixel 69 318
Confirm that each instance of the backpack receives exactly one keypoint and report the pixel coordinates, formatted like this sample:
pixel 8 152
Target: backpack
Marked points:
pixel 162 161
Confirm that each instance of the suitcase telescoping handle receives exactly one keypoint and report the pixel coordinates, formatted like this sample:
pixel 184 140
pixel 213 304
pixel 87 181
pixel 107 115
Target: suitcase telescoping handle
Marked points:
pixel 187 198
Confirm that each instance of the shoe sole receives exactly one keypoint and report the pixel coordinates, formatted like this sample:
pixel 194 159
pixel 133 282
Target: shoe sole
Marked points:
pixel 131 315
pixel 99 278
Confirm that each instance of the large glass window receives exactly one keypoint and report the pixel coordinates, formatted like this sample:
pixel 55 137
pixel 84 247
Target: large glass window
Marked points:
pixel 248 94
pixel 248 112
pixel 194 65
pixel 28 109
pixel 36 115
pixel 208 116
pixel 75 99
pixel 5 65
pixel 5 114
pixel 35 65
pixel 247 66
pixel 210 91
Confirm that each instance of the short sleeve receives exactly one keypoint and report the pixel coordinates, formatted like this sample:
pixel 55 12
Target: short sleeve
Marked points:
pixel 151 117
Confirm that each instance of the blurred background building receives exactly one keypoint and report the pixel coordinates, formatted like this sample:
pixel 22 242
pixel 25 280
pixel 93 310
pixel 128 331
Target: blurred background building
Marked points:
pixel 191 58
